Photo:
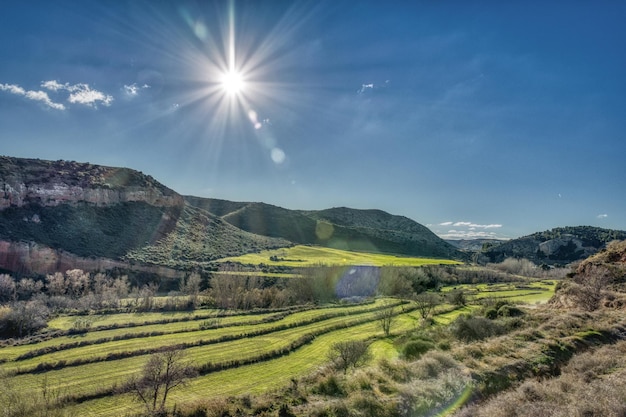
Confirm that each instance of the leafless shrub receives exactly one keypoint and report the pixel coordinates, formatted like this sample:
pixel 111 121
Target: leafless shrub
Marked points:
pixel 163 372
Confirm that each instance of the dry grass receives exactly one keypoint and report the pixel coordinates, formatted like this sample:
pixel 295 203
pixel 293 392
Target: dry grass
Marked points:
pixel 592 384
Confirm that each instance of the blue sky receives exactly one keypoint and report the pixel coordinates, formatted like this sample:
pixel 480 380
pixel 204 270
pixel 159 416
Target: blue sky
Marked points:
pixel 473 118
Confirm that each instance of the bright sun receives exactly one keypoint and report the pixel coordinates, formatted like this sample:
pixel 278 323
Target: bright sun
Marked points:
pixel 232 82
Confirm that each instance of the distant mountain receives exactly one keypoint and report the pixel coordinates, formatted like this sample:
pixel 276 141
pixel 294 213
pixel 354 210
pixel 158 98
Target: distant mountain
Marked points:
pixel 474 245
pixel 343 228
pixel 561 245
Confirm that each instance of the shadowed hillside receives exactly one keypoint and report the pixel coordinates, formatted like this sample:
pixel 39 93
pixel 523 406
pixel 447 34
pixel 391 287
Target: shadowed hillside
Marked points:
pixel 559 245
pixel 341 228
pixel 95 212
pixel 396 234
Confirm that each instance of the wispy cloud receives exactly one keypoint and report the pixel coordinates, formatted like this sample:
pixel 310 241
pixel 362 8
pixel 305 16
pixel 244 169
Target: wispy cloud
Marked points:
pixel 133 90
pixel 467 234
pixel 466 230
pixel 364 88
pixel 602 216
pixel 471 225
pixel 80 93
pixel 40 96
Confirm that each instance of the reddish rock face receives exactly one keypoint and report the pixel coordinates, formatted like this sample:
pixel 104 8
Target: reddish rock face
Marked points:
pixel 31 258
pixel 53 183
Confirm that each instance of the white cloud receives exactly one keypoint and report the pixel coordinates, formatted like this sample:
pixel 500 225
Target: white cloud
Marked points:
pixel 472 225
pixel 40 96
pixel 132 90
pixel 365 87
pixel 467 230
pixel 90 97
pixel 43 97
pixel 467 234
pixel 13 89
pixel 80 93
pixel 461 224
pixel 54 85
pixel 602 216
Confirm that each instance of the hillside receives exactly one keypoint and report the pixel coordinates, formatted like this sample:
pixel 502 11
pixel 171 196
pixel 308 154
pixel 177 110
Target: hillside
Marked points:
pixel 340 228
pixel 60 214
pixel 390 233
pixel 560 245
pixel 474 245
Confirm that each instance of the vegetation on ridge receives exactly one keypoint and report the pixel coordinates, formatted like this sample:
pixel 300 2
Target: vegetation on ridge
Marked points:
pixel 339 228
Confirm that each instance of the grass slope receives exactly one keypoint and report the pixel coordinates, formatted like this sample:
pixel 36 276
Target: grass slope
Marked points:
pixel 303 256
pixel 200 237
pixel 340 228
pixel 87 230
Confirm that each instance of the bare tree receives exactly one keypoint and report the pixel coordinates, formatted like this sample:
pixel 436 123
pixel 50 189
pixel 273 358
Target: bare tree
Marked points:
pixel 351 353
pixel 147 294
pixel 28 288
pixel 457 297
pixel 163 372
pixel 591 286
pixel 23 318
pixel 77 282
pixel 55 284
pixel 191 287
pixel 7 288
pixel 426 303
pixel 386 317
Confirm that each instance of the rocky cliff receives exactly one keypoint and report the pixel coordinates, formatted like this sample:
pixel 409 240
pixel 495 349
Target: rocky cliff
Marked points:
pixel 50 183
pixel 560 245
pixel 59 215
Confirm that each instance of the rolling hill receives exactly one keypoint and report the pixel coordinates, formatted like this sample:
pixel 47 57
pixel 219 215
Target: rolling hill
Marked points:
pixel 340 228
pixel 59 215
pixel 560 245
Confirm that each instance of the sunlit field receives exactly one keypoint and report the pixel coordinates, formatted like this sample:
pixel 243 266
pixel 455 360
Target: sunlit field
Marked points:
pixel 303 256
pixel 245 353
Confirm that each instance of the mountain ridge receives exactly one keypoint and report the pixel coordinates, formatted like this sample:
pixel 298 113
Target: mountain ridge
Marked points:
pixel 559 245
pixel 72 214
pixel 339 227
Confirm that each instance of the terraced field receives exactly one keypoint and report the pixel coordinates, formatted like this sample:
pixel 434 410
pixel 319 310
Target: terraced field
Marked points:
pixel 233 354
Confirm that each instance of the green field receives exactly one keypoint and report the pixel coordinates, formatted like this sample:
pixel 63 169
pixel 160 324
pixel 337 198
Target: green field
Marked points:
pixel 83 365
pixel 303 256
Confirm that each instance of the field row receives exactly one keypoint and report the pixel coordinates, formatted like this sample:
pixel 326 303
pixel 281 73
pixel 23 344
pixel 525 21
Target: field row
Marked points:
pixel 90 378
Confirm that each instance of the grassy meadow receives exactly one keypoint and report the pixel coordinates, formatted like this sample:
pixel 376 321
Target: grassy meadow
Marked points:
pixel 305 256
pixel 238 353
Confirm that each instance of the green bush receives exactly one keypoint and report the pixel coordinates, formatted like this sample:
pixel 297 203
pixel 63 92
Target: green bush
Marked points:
pixel 330 386
pixel 491 313
pixel 416 348
pixel 510 311
pixel 468 328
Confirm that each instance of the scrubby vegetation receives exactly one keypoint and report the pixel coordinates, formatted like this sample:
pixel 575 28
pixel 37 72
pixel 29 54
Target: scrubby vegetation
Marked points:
pixel 350 341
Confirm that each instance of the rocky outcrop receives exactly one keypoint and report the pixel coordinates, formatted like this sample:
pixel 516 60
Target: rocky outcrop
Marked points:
pixel 53 194
pixel 51 183
pixel 560 245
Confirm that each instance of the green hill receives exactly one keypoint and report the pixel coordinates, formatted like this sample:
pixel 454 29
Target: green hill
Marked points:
pixel 340 228
pixel 95 212
pixel 559 245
